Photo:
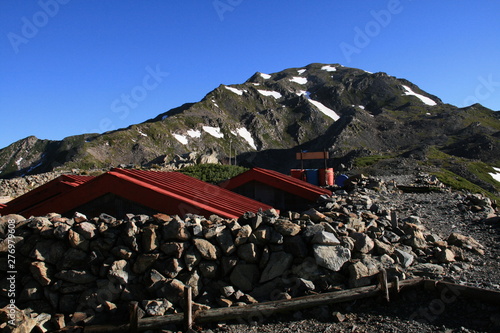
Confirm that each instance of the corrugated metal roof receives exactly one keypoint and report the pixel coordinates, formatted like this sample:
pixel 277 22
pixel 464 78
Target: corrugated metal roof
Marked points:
pixel 44 192
pixel 277 180
pixel 166 192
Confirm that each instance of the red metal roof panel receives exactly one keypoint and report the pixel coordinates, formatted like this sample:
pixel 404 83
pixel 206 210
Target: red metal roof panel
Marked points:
pixel 44 192
pixel 167 192
pixel 278 180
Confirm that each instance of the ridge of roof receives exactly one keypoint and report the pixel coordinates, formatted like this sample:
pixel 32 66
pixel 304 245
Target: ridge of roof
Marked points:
pixel 278 180
pixel 167 192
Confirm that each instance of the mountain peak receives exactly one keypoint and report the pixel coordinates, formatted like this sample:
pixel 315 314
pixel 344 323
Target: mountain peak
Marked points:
pixel 265 119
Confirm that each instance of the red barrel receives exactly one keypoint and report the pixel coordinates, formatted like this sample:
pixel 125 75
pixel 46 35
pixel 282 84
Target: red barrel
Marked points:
pixel 298 173
pixel 326 177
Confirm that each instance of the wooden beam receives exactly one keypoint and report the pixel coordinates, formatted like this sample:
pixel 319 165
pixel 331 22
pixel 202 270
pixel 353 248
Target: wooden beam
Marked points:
pixel 260 310
pixel 313 155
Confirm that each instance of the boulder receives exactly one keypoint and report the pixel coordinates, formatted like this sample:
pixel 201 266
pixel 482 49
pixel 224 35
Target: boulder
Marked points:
pixel 245 276
pixel 118 273
pixel 332 257
pixel 206 249
pixel 278 263
pixel 287 228
pixel 325 238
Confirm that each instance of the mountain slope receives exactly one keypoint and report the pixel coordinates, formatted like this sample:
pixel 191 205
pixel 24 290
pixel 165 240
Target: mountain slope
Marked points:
pixel 347 111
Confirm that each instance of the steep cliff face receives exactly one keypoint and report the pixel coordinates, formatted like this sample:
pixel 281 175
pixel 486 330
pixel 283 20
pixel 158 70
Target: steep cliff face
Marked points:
pixel 270 116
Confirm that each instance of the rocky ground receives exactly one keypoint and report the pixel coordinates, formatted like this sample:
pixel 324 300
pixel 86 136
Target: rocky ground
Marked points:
pixel 441 213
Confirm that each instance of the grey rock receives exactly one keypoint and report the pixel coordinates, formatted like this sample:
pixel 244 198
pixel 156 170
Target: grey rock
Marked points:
pixel 249 253
pixel 278 263
pixel 118 272
pixel 245 276
pixel 225 241
pixel 405 258
pixel 325 238
pixel 332 257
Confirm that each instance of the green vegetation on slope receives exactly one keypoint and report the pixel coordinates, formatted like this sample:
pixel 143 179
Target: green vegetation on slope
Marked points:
pixel 213 173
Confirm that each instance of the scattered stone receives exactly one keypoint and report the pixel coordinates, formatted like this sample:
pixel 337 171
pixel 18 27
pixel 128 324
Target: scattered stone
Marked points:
pixel 207 250
pixel 331 257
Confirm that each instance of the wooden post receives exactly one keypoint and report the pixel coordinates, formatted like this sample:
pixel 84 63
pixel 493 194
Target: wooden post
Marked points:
pixel 383 284
pixel 134 317
pixel 394 219
pixel 188 309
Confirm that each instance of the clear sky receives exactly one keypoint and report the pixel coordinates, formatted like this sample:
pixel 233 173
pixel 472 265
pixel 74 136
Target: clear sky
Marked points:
pixel 69 67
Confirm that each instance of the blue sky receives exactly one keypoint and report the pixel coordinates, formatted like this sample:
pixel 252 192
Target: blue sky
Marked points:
pixel 69 67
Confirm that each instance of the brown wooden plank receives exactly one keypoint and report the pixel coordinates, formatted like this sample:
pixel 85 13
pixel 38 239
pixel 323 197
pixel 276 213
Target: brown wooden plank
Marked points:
pixel 260 310
pixel 312 155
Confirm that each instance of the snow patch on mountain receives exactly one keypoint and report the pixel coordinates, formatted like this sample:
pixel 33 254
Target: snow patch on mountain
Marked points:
pixel 299 80
pixel 423 98
pixel 301 71
pixel 213 131
pixel 194 133
pixel 268 93
pixel 265 76
pixel 329 68
pixel 321 107
pixel 234 90
pixel 496 175
pixel 245 134
pixel 181 138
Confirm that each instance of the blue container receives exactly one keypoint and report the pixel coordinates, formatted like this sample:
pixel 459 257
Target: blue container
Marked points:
pixel 340 180
pixel 312 176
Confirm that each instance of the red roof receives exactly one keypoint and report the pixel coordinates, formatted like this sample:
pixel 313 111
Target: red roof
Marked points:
pixel 39 195
pixel 277 180
pixel 166 192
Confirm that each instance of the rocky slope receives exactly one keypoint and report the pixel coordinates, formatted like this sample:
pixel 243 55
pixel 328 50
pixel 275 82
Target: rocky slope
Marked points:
pixel 349 112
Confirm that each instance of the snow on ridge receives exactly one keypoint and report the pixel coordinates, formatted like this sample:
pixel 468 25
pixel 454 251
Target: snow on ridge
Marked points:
pixel 245 134
pixel 423 98
pixel 181 138
pixel 496 176
pixel 299 80
pixel 234 90
pixel 265 76
pixel 213 131
pixel 194 133
pixel 18 162
pixel 141 133
pixel 321 107
pixel 329 68
pixel 274 94
pixel 301 71
pixel 327 111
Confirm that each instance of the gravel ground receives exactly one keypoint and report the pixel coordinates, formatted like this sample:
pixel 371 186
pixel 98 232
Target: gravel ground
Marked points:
pixel 414 311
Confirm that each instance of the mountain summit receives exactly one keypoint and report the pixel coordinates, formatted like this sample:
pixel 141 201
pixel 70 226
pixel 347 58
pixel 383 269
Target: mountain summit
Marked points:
pixel 349 112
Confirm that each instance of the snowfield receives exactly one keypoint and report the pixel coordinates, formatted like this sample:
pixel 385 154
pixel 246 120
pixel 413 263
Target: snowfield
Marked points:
pixel 181 138
pixel 268 93
pixel 234 90
pixel 245 134
pixel 423 98
pixel 329 68
pixel 213 131
pixel 299 80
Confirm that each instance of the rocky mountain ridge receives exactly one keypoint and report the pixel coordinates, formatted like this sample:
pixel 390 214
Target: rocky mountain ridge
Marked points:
pixel 349 112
